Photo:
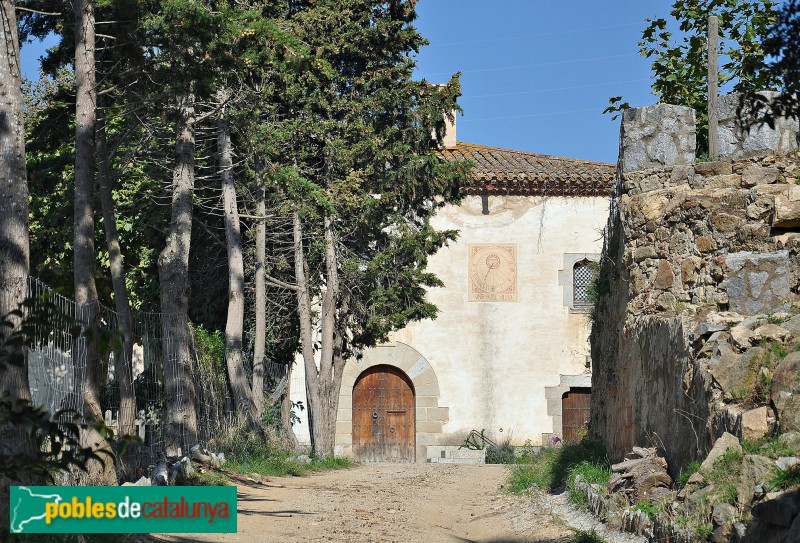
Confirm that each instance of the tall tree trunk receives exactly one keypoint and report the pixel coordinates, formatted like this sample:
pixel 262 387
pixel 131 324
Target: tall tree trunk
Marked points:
pixel 86 301
pixel 304 312
pixel 261 298
pixel 180 415
pixel 234 326
pixel 123 360
pixel 323 383
pixel 289 439
pixel 14 241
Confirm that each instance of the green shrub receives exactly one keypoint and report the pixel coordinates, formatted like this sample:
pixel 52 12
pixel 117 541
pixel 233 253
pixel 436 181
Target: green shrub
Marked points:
pixel 703 531
pixel 684 476
pixel 648 508
pixel 770 446
pixel 549 467
pixel 589 472
pixel 585 536
pixel 282 465
pixel 500 454
pixel 785 478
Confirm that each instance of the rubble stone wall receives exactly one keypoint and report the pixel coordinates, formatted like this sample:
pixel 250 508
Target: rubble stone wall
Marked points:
pixel 692 250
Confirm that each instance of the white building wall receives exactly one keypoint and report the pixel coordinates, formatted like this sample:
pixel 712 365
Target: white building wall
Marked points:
pixel 493 360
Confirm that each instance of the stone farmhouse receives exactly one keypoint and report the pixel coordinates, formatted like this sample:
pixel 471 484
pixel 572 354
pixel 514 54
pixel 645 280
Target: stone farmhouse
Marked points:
pixel 508 353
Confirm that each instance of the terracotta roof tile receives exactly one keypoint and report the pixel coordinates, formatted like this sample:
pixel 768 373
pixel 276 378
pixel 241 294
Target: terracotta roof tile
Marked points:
pixel 503 171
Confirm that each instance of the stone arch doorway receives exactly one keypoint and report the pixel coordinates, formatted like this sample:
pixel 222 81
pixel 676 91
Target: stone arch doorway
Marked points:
pixel 383 415
pixel 429 418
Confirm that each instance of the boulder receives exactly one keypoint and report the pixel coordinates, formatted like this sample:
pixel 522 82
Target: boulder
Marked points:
pixel 723 513
pixel 728 368
pixel 771 332
pixel 725 442
pixel 160 476
pixel 785 379
pixel 785 462
pixel 793 326
pixel 755 470
pixel 778 511
pixel 144 481
pixel 789 415
pixel 753 175
pixel 755 424
pixel 742 337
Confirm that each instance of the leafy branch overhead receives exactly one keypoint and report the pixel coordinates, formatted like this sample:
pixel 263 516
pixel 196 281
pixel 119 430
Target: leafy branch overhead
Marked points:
pixel 678 51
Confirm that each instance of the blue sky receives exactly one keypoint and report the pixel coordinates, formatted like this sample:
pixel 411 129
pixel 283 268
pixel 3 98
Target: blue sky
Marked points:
pixel 536 74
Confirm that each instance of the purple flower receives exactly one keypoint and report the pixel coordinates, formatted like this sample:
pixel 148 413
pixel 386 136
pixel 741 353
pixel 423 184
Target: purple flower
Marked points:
pixel 554 440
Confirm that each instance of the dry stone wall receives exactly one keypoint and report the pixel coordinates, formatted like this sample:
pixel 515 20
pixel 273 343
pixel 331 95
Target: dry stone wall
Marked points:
pixel 693 251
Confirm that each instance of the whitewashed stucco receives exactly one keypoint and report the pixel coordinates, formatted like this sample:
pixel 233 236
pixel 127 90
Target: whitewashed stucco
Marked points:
pixel 493 360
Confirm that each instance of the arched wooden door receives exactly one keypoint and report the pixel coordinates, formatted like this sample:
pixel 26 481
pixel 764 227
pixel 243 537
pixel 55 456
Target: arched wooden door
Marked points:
pixel 383 416
pixel 575 412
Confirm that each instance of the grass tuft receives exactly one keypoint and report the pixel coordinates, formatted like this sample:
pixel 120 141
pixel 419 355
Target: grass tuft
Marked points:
pixel 785 478
pixel 585 536
pixel 549 468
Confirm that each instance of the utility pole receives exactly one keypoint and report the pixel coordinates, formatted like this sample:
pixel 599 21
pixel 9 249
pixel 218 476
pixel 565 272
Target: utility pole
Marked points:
pixel 713 71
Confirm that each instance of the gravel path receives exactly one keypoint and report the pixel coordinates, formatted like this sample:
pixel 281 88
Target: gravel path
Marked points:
pixel 409 503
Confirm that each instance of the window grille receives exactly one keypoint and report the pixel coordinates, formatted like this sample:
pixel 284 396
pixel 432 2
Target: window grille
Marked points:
pixel 582 277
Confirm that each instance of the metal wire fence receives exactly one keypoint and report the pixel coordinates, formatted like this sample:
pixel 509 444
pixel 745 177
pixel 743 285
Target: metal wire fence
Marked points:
pixel 57 365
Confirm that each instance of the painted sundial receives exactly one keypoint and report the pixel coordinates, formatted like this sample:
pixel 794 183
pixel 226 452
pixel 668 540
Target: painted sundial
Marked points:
pixel 493 273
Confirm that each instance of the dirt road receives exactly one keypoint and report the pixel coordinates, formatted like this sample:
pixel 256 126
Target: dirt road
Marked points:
pixel 412 503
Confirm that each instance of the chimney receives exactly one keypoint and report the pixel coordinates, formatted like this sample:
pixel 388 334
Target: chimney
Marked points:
pixel 449 141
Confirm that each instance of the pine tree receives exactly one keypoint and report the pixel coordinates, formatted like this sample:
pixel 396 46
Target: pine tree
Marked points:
pixel 362 179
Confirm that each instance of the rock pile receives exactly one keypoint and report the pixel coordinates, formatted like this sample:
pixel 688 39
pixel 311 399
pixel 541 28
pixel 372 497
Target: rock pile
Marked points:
pixel 169 472
pixel 642 476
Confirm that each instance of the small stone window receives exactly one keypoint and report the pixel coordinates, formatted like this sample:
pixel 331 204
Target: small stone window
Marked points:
pixel 583 274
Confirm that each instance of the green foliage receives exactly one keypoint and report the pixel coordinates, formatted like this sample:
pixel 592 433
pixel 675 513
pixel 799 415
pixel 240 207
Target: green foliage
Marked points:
pixel 724 475
pixel 283 464
pixel 770 446
pixel 550 467
pixel 684 476
pixel 680 55
pixel 648 508
pixel 585 536
pixel 703 531
pixel 500 454
pixel 589 472
pixel 785 478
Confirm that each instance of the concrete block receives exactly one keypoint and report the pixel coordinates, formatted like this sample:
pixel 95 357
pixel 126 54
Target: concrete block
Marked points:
pixel 427 401
pixel 438 414
pixel 433 427
pixel 434 452
pixel 420 451
pixel 426 439
pixel 344 414
pixel 554 406
pixel 421 413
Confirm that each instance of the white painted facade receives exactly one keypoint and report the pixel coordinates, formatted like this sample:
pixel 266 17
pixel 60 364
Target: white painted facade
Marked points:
pixel 501 365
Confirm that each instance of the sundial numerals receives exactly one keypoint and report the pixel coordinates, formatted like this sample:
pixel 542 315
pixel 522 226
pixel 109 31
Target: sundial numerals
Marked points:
pixel 493 273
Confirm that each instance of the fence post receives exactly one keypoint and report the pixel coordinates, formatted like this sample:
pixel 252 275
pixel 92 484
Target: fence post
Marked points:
pixel 713 71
